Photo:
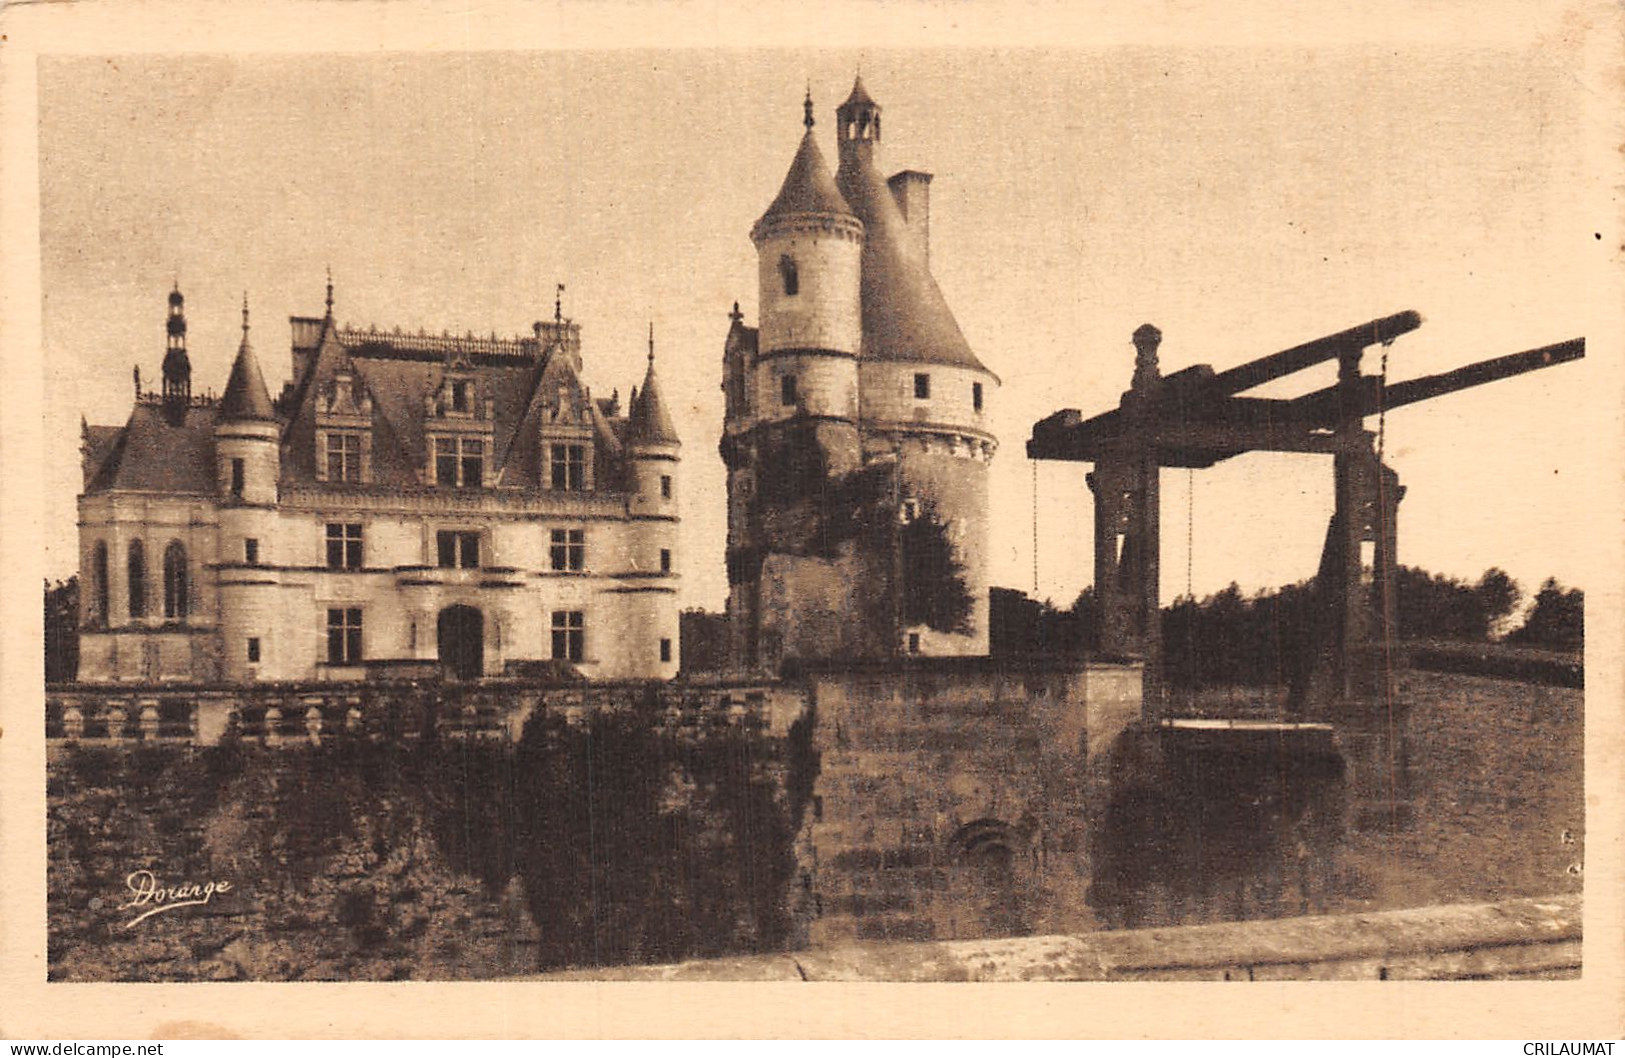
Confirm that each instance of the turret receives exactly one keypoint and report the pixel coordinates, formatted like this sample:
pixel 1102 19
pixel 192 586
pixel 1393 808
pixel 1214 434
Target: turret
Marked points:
pixel 652 445
pixel 653 458
pixel 859 126
pixel 246 431
pixel 247 466
pixel 809 247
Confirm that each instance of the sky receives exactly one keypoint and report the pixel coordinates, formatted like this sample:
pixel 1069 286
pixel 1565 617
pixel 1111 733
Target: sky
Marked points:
pixel 1243 199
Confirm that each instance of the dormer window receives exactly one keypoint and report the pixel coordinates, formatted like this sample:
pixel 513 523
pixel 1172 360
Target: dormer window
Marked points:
pixel 459 395
pixel 567 467
pixel 344 433
pixel 787 271
pixel 459 462
pixel 343 456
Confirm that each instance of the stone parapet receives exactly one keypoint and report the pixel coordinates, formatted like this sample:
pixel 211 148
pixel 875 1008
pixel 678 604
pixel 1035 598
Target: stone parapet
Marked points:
pixel 1531 938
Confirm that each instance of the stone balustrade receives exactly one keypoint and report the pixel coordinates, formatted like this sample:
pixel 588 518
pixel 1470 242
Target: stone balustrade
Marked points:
pixel 295 714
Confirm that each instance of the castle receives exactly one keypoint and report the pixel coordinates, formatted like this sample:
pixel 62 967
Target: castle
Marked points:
pixel 411 504
pixel 856 434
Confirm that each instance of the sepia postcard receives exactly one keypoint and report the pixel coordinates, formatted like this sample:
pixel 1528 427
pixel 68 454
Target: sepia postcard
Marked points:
pixel 866 520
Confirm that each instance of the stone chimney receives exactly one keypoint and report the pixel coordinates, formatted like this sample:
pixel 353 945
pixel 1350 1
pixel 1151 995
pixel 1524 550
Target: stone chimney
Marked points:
pixel 912 190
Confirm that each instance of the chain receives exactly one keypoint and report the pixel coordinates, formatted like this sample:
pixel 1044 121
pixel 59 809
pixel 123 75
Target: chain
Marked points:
pixel 1190 530
pixel 1034 464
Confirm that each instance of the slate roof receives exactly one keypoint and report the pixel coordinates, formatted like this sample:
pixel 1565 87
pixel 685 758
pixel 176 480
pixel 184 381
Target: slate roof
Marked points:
pixel 859 94
pixel 905 316
pixel 98 442
pixel 808 186
pixel 650 423
pixel 150 455
pixel 246 396
pixel 401 373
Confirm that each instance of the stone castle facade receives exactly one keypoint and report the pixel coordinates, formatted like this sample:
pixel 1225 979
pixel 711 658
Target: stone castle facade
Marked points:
pixel 857 434
pixel 411 504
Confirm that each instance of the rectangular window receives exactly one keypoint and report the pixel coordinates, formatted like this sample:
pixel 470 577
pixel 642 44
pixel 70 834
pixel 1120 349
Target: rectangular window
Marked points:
pixel 569 550
pixel 787 389
pixel 922 386
pixel 237 474
pixel 665 560
pixel 251 551
pixel 343 457
pixel 458 549
pixel 253 650
pixel 665 486
pixel 976 395
pixel 344 636
pixel 569 635
pixel 914 642
pixel 567 467
pixel 459 462
pixel 445 462
pixel 665 650
pixel 343 546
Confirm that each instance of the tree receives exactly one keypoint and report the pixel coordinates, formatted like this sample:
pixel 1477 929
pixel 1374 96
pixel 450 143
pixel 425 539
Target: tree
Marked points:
pixel 1498 595
pixel 1433 606
pixel 933 580
pixel 62 630
pixel 1557 621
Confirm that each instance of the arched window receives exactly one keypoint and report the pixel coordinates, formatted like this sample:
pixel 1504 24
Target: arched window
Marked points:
pixel 99 585
pixel 175 582
pixel 138 580
pixel 787 269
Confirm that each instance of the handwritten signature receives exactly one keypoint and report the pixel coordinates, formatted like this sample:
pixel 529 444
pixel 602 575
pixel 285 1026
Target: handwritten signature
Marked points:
pixel 145 892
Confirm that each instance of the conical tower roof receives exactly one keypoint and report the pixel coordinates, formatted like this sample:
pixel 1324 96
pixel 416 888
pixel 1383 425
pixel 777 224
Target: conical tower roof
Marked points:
pixel 246 396
pixel 860 95
pixel 650 422
pixel 905 316
pixel 808 186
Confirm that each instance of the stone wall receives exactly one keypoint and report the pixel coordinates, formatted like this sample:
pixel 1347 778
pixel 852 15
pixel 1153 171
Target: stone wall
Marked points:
pixel 599 836
pixel 952 795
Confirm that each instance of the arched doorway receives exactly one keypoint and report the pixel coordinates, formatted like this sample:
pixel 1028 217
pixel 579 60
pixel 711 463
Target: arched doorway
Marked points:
pixel 461 639
pixel 989 884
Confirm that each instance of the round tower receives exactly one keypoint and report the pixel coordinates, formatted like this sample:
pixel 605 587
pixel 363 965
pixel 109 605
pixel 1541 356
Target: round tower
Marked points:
pixel 925 398
pixel 247 466
pixel 653 456
pixel 809 247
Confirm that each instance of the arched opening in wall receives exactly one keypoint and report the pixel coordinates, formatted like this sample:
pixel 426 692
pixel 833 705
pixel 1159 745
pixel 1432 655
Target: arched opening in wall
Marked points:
pixel 461 640
pixel 787 270
pixel 137 568
pixel 99 587
pixel 988 880
pixel 175 582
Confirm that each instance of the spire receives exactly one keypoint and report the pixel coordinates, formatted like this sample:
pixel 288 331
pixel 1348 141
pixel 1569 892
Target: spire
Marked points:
pixel 246 396
pixel 329 298
pixel 177 389
pixel 806 107
pixel 650 423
